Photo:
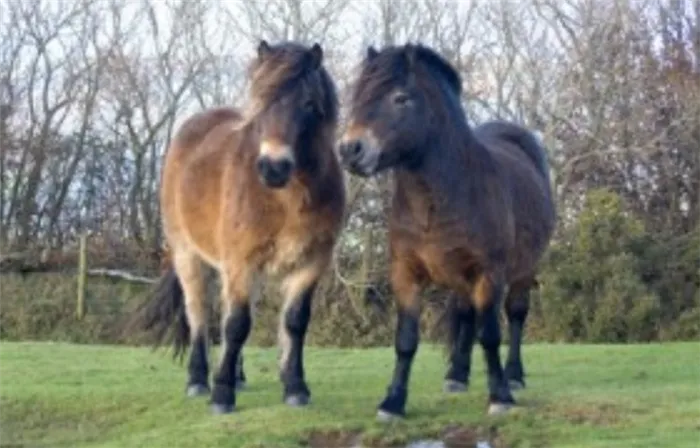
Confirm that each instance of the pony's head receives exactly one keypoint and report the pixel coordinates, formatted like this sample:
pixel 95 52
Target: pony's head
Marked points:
pixel 401 99
pixel 293 100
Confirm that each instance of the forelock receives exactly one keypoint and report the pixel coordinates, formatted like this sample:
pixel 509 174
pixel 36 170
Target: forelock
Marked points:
pixel 286 64
pixel 391 66
pixel 379 74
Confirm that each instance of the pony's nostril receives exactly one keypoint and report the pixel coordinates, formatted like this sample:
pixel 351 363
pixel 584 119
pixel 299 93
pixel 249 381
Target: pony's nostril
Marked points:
pixel 351 149
pixel 262 165
pixel 284 167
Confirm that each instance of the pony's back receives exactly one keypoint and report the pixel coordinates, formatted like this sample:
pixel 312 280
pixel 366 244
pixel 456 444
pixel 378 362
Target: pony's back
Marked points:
pixel 520 137
pixel 196 127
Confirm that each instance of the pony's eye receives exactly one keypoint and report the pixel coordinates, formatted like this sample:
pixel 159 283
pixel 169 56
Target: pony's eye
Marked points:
pixel 401 99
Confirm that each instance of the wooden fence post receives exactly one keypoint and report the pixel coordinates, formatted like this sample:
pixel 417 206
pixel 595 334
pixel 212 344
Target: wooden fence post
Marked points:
pixel 82 278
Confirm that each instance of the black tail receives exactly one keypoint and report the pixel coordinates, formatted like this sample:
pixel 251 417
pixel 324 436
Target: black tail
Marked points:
pixel 444 303
pixel 163 315
pixel 521 137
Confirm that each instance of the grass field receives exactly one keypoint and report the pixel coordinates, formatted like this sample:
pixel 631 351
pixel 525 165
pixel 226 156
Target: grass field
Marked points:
pixel 61 395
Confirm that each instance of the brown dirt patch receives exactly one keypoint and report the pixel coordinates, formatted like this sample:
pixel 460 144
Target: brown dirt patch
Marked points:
pixel 453 436
pixel 333 439
pixel 602 414
pixel 459 436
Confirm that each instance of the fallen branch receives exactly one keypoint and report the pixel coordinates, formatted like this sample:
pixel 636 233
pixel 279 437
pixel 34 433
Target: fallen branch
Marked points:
pixel 122 275
pixel 24 268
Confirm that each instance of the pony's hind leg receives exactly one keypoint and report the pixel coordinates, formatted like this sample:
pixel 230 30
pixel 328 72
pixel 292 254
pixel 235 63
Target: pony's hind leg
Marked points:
pixel 517 306
pixel 236 322
pixel 462 330
pixel 488 294
pixel 298 289
pixel 188 267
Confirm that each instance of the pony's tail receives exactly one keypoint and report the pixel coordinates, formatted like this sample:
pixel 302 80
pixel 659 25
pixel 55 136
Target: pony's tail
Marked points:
pixel 163 315
pixel 443 331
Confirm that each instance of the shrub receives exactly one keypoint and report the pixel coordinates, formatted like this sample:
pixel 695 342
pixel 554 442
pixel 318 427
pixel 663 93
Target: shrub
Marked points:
pixel 592 287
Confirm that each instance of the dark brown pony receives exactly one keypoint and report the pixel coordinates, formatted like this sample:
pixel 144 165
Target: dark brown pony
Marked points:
pixel 471 211
pixel 256 192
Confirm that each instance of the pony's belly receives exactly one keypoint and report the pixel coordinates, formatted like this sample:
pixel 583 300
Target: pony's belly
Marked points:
pixel 289 253
pixel 454 268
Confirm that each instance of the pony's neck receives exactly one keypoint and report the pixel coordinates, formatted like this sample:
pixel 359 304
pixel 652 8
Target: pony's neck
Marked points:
pixel 453 158
pixel 453 168
pixel 320 155
pixel 311 183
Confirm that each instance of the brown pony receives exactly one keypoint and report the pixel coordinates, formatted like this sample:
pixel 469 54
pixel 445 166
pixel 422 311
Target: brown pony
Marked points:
pixel 471 211
pixel 257 192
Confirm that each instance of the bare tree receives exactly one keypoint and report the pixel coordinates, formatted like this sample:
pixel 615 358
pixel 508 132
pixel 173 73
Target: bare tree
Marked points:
pixel 91 91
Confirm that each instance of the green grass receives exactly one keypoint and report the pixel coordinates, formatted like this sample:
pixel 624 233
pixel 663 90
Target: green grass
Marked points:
pixel 61 395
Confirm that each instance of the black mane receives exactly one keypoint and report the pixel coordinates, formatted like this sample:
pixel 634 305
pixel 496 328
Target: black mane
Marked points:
pixel 440 65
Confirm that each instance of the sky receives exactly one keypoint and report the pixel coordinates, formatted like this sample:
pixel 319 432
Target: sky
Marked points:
pixel 345 41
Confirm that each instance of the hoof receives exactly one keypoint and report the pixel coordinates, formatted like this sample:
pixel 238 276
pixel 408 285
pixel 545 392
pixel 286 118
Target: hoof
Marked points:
pixel 453 386
pixel 499 408
pixel 387 417
pixel 516 384
pixel 393 407
pixel 241 385
pixel 297 400
pixel 220 409
pixel 197 390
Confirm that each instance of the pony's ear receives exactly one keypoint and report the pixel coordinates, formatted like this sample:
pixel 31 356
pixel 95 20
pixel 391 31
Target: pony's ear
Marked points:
pixel 263 49
pixel 371 53
pixel 316 55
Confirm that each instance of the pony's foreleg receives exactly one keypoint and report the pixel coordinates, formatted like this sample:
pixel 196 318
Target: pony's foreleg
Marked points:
pixel 488 294
pixel 240 374
pixel 189 271
pixel 298 289
pixel 517 307
pixel 406 290
pixel 462 330
pixel 236 322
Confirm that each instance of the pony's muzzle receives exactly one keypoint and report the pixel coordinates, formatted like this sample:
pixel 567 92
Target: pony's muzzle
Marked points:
pixel 358 157
pixel 274 173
